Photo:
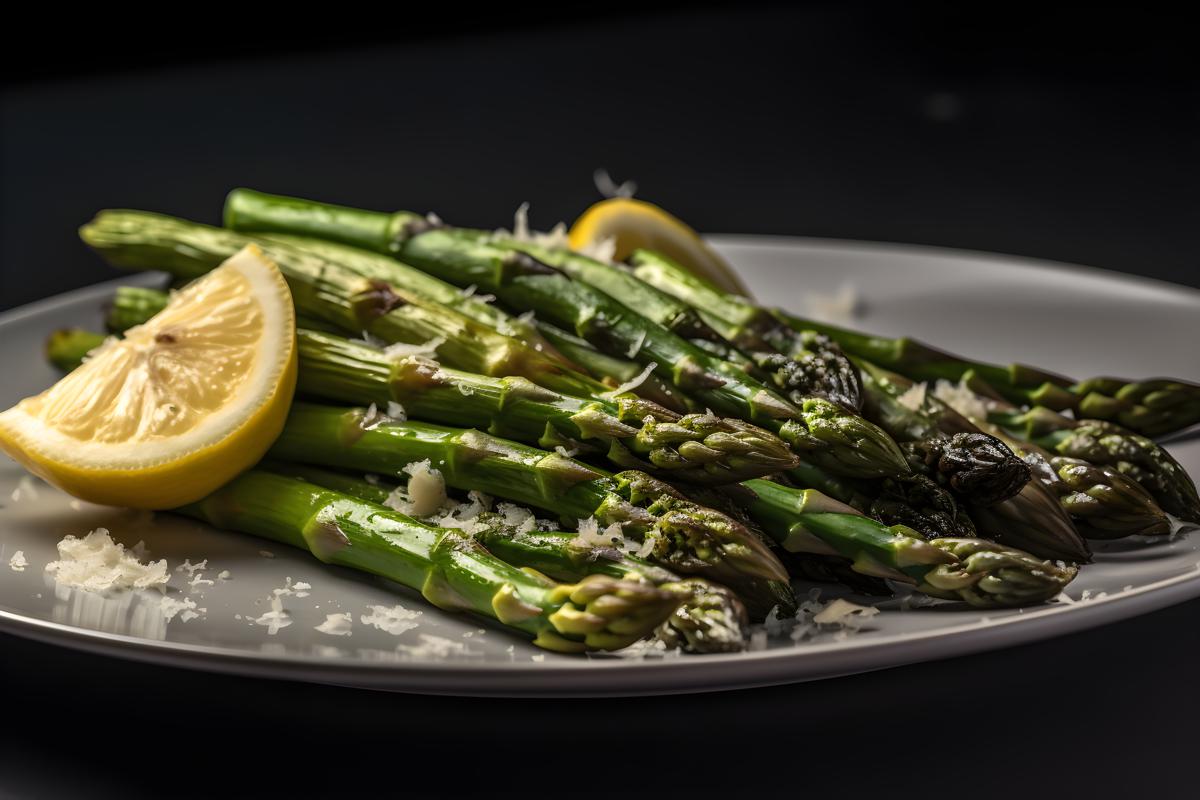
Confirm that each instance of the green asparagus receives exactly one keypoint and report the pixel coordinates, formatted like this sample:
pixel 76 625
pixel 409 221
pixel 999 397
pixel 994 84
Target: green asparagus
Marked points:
pixel 1105 444
pixel 451 570
pixel 804 363
pixel 819 430
pixel 709 619
pixel 632 433
pixel 140 240
pixel 678 534
pixel 982 573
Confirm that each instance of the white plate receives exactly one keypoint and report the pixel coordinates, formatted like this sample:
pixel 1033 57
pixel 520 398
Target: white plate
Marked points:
pixel 1074 320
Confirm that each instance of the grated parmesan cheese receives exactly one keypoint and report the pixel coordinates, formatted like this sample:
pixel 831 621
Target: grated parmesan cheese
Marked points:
pixel 26 488
pixel 564 452
pixel 961 398
pixel 813 616
pixel 842 306
pixel 426 350
pixel 588 534
pixel 424 494
pixel 843 612
pixel 608 188
pixel 632 384
pixel 636 347
pixel 18 563
pixel 336 625
pixel 185 608
pixel 276 619
pixel 522 519
pixel 199 580
pixel 190 567
pixel 396 411
pixel 395 620
pixel 914 398
pixel 97 563
pixel 433 647
pixel 289 589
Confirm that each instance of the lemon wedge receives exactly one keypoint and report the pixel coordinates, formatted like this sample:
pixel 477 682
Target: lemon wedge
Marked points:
pixel 633 224
pixel 179 406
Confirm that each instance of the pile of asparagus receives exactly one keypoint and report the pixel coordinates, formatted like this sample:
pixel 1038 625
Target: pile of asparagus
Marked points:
pixel 697 450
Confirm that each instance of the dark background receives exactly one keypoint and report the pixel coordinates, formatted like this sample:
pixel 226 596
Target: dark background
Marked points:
pixel 1068 133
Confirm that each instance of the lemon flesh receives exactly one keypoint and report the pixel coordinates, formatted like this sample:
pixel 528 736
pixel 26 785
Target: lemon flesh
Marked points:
pixel 635 224
pixel 176 408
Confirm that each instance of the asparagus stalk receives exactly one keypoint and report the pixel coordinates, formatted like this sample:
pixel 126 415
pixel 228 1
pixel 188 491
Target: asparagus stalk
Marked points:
pixel 1032 520
pixel 1105 444
pixel 133 305
pixel 1150 407
pixel 679 534
pixel 982 573
pixel 1103 503
pixel 68 347
pixel 802 362
pixel 140 240
pixel 818 430
pixel 978 467
pixel 450 570
pixel 615 370
pixel 632 433
pixel 383 268
pixel 710 618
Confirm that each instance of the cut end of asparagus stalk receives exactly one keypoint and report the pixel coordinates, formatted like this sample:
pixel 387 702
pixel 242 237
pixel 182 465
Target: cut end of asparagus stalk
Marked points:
pixel 989 575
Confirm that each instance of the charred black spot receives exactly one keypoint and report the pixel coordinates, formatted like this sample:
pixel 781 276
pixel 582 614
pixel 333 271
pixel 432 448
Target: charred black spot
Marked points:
pixel 165 338
pixel 376 301
pixel 524 264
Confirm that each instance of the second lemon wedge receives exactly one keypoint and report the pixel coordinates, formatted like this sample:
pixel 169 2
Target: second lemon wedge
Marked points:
pixel 634 224
pixel 177 407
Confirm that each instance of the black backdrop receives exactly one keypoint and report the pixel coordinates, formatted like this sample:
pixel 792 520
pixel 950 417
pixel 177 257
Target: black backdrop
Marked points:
pixel 1068 133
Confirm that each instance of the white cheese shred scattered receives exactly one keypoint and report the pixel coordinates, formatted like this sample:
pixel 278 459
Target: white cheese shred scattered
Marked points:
pixel 608 188
pixel 842 306
pixel 26 489
pixel 636 347
pixel 337 625
pixel 18 563
pixel 395 620
pixel 97 563
pixel 914 398
pixel 632 384
pixel 425 493
pixel 517 517
pixel 276 619
pixel 185 608
pixel 961 398
pixel 426 350
pixel 433 647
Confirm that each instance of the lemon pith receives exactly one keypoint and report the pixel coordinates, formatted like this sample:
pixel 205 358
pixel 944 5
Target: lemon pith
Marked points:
pixel 176 408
